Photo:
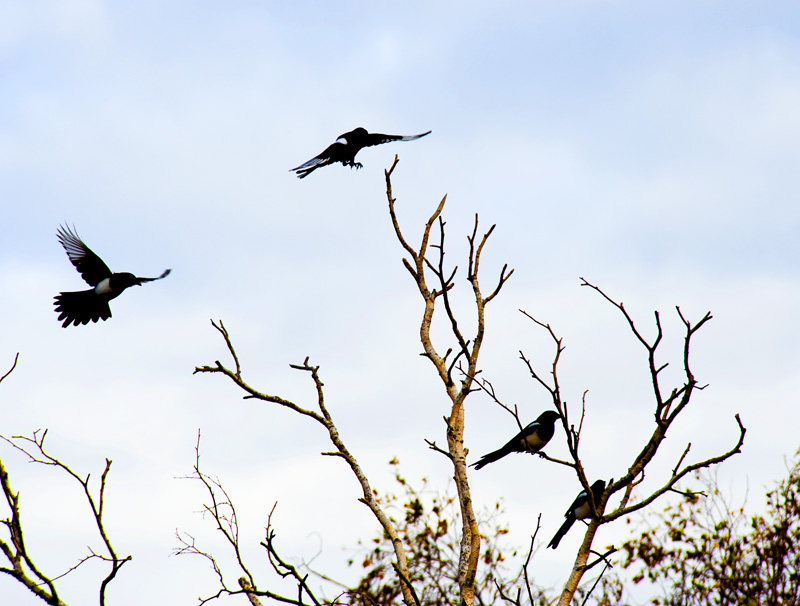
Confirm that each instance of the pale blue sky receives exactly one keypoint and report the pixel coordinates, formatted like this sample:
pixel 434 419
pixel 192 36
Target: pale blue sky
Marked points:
pixel 652 149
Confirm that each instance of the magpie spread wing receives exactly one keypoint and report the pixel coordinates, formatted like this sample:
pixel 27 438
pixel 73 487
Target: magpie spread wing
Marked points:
pixel 315 162
pixel 377 138
pixel 88 264
pixel 325 158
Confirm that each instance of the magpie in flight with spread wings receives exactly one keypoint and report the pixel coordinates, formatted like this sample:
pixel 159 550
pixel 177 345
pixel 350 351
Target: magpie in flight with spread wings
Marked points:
pixel 345 148
pixel 90 305
pixel 531 439
pixel 579 510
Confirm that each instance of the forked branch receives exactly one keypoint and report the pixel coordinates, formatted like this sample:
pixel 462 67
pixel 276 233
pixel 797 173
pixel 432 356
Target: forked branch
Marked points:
pixel 221 510
pixel 467 349
pixel 21 564
pixel 666 409
pixel 324 418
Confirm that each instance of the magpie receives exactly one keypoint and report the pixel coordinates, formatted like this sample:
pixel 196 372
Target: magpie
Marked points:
pixel 345 148
pixel 82 306
pixel 580 509
pixel 531 439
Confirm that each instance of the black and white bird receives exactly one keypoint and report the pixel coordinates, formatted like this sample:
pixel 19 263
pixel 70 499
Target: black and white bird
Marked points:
pixel 580 509
pixel 345 148
pixel 531 439
pixel 84 306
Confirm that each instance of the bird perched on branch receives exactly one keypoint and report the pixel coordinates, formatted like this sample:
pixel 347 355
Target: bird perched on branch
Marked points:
pixel 531 439
pixel 91 305
pixel 345 148
pixel 580 509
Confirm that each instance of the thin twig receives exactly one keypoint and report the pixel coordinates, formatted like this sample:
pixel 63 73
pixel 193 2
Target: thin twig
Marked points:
pixel 10 370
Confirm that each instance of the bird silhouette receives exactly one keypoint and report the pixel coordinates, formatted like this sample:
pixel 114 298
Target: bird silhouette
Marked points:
pixel 83 306
pixel 345 148
pixel 531 439
pixel 580 509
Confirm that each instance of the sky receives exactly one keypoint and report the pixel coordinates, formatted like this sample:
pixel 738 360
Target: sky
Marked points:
pixel 651 148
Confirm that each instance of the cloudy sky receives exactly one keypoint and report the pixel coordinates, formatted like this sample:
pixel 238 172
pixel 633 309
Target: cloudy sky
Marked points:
pixel 650 149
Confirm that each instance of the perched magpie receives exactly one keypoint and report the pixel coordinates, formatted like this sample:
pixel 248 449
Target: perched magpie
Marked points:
pixel 579 510
pixel 531 439
pixel 82 306
pixel 345 148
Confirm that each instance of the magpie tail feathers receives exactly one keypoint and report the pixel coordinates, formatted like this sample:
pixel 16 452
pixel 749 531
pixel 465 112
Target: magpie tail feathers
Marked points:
pixel 492 457
pixel 81 307
pixel 561 532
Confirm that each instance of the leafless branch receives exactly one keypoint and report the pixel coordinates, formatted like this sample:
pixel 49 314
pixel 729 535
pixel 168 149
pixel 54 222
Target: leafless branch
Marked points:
pixel 469 349
pixel 408 584
pixel 10 370
pixel 503 278
pixel 601 558
pixel 447 284
pixel 222 511
pixel 676 476
pixel 17 553
pixel 547 457
pixel 433 446
pixel 528 559
pixel 324 418
pixel 517 601
pixel 485 386
pixel 554 389
pixel 666 410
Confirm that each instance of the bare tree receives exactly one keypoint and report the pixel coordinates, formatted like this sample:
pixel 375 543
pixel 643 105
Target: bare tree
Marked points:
pixel 457 390
pixel 21 565
pixel 667 407
pixel 423 269
pixel 435 281
pixel 668 403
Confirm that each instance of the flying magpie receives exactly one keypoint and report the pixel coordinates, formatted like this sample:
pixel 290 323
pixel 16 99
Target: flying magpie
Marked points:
pixel 345 148
pixel 531 439
pixel 579 510
pixel 82 306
